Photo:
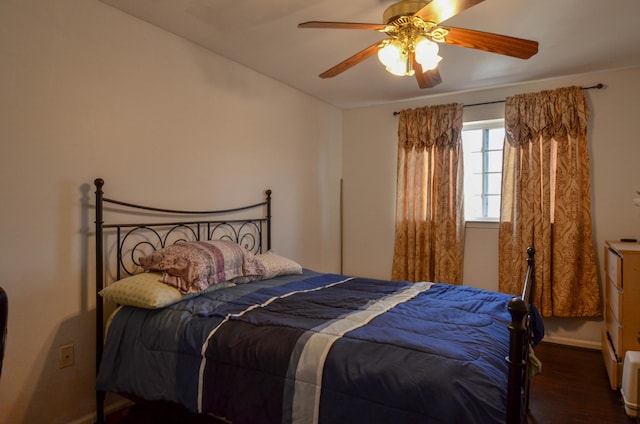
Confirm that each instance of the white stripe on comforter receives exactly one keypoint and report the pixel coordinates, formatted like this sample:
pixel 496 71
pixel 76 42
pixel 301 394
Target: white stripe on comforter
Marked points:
pixel 308 374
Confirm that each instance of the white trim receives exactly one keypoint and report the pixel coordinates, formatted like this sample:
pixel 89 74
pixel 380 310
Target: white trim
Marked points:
pixel 488 123
pixel 586 344
pixel 482 224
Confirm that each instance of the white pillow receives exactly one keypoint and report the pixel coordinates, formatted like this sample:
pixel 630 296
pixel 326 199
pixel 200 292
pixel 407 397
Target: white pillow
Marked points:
pixel 146 290
pixel 275 265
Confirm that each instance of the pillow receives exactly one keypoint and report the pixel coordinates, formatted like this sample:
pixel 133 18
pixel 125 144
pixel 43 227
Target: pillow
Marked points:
pixel 275 265
pixel 146 290
pixel 193 266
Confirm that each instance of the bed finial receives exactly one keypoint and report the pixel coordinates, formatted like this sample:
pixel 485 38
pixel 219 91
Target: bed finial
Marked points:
pixel 530 280
pixel 99 182
pixel 531 251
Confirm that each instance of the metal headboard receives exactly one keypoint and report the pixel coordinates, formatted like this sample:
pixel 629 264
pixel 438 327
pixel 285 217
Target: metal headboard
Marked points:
pixel 249 226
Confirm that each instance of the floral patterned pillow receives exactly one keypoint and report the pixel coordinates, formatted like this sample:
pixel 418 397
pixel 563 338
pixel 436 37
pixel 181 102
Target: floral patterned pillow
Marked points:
pixel 194 266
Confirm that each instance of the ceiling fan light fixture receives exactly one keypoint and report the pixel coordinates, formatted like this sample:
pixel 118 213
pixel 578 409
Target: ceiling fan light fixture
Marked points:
pixel 390 53
pixel 394 56
pixel 402 69
pixel 426 52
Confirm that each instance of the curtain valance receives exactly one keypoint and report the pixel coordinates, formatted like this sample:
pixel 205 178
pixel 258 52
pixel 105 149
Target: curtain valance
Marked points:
pixel 427 126
pixel 556 114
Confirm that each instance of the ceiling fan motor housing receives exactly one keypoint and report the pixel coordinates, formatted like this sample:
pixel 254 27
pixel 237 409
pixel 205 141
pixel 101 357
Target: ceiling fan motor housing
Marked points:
pixel 402 8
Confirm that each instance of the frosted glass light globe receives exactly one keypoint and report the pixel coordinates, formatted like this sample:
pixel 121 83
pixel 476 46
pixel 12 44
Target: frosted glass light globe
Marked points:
pixel 427 54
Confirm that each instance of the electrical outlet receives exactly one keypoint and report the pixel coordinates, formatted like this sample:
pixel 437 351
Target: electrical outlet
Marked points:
pixel 66 356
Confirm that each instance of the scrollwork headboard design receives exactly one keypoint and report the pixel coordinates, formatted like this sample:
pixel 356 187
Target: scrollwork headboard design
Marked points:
pixel 120 245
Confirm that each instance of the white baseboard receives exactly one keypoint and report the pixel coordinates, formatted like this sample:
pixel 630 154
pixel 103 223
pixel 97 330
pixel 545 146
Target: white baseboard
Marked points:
pixel 586 344
pixel 108 409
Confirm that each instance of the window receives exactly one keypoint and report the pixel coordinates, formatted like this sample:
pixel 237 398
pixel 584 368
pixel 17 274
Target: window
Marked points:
pixel 482 146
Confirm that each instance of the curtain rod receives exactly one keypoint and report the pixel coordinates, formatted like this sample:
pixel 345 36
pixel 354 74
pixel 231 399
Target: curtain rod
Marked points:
pixel 597 86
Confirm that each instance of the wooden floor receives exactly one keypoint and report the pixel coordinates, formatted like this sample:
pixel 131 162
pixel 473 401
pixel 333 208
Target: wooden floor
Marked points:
pixel 158 414
pixel 572 388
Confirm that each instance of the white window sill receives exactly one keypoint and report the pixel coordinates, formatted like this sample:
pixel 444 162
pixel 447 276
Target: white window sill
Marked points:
pixel 482 224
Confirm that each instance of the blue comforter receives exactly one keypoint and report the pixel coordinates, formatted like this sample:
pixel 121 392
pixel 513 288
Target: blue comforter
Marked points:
pixel 319 348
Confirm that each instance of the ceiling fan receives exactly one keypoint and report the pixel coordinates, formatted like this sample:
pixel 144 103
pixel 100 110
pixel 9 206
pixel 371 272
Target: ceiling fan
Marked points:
pixel 414 31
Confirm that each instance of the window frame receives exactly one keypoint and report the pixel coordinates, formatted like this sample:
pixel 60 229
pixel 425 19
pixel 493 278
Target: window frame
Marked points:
pixel 485 126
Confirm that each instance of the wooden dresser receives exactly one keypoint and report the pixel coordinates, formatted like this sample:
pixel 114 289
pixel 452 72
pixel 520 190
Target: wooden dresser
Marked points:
pixel 622 306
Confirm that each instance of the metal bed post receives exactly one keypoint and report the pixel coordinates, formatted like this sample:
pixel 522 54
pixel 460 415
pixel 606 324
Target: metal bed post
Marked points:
pixel 268 220
pixel 100 396
pixel 527 296
pixel 516 361
pixel 519 342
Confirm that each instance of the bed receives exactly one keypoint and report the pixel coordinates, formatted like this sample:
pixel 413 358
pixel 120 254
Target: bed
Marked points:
pixel 264 340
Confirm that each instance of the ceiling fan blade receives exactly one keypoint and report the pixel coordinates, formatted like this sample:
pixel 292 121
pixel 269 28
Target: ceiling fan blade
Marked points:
pixel 352 61
pixel 342 25
pixel 427 79
pixel 441 10
pixel 494 43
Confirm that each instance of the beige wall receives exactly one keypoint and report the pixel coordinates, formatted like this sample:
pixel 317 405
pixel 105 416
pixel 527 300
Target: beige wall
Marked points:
pixel 87 91
pixel 369 172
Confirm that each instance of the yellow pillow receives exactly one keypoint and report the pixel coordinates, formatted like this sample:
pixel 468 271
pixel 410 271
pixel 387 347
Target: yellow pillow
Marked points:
pixel 146 290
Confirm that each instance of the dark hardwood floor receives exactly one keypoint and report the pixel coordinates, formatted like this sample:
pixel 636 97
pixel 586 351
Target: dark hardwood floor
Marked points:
pixel 158 413
pixel 572 388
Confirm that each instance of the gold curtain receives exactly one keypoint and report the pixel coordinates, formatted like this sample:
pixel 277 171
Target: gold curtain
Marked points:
pixel 546 202
pixel 429 230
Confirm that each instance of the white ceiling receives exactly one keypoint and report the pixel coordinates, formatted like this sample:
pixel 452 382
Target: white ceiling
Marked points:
pixel 575 36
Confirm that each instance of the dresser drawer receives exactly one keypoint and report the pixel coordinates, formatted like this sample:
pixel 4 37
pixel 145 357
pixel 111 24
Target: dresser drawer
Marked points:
pixel 614 329
pixel 610 361
pixel 614 300
pixel 614 267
